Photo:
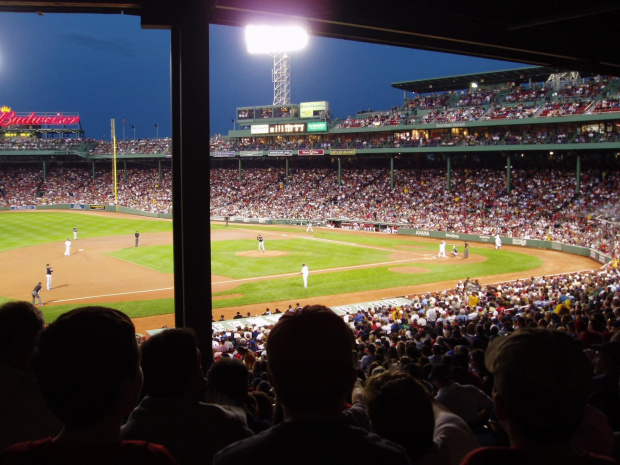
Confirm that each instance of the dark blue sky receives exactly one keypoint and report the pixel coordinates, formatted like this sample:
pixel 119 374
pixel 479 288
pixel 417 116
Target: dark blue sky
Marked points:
pixel 106 66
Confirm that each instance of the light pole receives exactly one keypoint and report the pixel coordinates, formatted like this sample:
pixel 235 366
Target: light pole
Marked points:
pixel 275 42
pixel 157 129
pixel 134 132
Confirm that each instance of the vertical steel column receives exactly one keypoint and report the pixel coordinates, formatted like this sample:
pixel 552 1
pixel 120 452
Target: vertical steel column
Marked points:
pixel 392 172
pixel 449 172
pixel 190 160
pixel 578 175
pixel 286 178
pixel 508 174
pixel 339 172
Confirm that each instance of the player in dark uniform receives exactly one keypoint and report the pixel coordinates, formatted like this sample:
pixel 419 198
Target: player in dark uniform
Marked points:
pixel 137 236
pixel 36 295
pixel 261 243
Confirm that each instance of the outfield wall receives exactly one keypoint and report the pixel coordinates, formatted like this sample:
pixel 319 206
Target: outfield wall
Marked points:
pixel 402 229
pixel 530 243
pixel 89 207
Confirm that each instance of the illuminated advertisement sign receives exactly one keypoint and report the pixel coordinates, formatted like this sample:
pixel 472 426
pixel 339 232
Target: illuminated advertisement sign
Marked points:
pixel 317 126
pixel 342 151
pixel 311 152
pixel 280 153
pixel 250 153
pixel 259 129
pixel 287 128
pixel 223 154
pixel 9 118
pixel 313 109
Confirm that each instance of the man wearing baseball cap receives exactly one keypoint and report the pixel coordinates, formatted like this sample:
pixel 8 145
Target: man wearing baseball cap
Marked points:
pixel 542 381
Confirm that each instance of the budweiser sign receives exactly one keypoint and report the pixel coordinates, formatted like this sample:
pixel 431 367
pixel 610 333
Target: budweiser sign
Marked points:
pixel 9 118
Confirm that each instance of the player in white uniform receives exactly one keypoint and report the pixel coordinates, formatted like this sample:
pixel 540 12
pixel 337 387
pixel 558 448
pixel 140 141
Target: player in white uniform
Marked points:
pixel 498 242
pixel 67 247
pixel 75 233
pixel 309 228
pixel 304 273
pixel 48 276
pixel 261 243
pixel 442 249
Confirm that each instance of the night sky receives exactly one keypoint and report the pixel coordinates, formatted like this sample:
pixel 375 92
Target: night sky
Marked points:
pixel 106 66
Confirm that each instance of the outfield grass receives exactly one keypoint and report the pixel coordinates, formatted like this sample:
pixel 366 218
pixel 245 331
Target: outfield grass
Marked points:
pixel 23 229
pixel 323 255
pixel 332 250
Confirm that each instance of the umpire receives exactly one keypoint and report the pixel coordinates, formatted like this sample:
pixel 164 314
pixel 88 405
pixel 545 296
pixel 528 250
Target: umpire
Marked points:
pixel 36 295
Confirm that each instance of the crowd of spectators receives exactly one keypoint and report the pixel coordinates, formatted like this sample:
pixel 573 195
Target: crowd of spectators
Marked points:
pixel 139 187
pixel 477 203
pixel 35 143
pixel 504 102
pixel 464 362
pixel 134 146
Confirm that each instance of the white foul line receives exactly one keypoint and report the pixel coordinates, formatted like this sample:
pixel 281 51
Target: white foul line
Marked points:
pixel 114 295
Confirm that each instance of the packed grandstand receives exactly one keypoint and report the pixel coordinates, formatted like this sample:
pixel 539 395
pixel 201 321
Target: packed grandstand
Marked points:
pixel 503 159
pixel 481 159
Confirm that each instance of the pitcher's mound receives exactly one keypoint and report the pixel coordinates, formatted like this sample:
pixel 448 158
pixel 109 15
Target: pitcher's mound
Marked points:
pixel 268 253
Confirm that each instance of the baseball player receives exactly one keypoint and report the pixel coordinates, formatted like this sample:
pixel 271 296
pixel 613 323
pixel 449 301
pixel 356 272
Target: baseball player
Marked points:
pixel 304 273
pixel 455 252
pixel 74 233
pixel 309 228
pixel 67 247
pixel 498 242
pixel 36 295
pixel 137 236
pixel 466 252
pixel 442 249
pixel 261 243
pixel 48 276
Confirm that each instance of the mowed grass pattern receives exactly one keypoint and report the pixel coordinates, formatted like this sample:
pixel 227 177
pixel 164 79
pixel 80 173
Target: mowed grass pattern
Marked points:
pixel 326 252
pixel 23 229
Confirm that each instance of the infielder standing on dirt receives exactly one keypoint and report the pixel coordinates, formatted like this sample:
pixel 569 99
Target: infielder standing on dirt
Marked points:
pixel 309 228
pixel 261 243
pixel 67 247
pixel 137 236
pixel 48 276
pixel 304 273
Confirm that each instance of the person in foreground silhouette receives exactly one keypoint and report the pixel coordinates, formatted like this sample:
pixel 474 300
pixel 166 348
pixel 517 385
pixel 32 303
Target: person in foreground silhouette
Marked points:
pixel 310 365
pixel 89 375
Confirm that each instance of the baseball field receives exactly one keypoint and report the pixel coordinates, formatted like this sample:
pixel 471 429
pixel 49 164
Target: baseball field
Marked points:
pixel 345 266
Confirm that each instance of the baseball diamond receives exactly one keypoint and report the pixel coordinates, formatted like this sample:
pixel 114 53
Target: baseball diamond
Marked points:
pixel 95 276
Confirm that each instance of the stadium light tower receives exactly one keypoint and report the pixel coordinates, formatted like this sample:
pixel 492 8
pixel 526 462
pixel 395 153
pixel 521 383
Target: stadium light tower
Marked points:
pixel 277 41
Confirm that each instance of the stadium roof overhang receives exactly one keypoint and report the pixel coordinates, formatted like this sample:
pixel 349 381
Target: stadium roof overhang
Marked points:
pixel 490 78
pixel 570 36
